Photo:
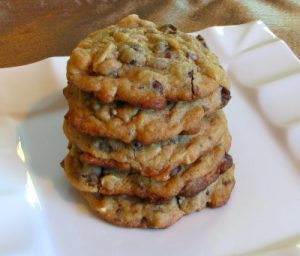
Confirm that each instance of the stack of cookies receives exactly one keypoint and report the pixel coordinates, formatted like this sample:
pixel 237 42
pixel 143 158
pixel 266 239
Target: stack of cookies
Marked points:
pixel 148 141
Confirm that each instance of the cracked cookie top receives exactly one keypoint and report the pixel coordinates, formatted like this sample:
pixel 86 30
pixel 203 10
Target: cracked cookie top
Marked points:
pixel 124 122
pixel 158 160
pixel 131 211
pixel 189 181
pixel 142 64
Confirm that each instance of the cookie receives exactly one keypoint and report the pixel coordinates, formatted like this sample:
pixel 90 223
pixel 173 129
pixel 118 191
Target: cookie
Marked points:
pixel 187 182
pixel 142 64
pixel 156 160
pixel 127 123
pixel 128 211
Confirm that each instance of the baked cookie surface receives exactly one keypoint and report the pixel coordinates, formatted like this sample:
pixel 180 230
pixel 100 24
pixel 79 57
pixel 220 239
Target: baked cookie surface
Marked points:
pixel 129 211
pixel 148 140
pixel 157 160
pixel 142 64
pixel 188 180
pixel 128 123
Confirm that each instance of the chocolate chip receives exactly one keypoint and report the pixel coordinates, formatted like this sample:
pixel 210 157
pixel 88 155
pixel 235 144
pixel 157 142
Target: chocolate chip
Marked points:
pixel 158 86
pixel 201 39
pixel 168 28
pixel 183 139
pixel 144 221
pixel 226 182
pixel 179 200
pixel 168 54
pixel 105 146
pixel 172 27
pixel 91 72
pixel 177 170
pixel 161 46
pixel 174 140
pixel 120 104
pixel 171 105
pixel 226 163
pixel 132 62
pixel 98 196
pixel 228 157
pixel 90 179
pixel 113 112
pixel 191 75
pixel 115 74
pixel 207 192
pixel 225 96
pixel 137 144
pixel 139 184
pixel 165 46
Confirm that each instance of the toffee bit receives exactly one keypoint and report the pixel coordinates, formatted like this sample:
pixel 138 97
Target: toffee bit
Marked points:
pixel 158 86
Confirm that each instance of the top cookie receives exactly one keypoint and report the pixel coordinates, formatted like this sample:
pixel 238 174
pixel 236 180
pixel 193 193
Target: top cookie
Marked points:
pixel 145 65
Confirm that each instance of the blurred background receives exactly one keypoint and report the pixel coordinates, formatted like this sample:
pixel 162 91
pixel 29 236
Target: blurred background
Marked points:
pixel 35 29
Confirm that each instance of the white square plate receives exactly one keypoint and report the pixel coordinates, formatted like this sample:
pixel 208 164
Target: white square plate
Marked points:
pixel 42 215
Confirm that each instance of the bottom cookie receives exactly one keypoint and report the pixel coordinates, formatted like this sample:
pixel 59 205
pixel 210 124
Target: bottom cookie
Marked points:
pixel 129 211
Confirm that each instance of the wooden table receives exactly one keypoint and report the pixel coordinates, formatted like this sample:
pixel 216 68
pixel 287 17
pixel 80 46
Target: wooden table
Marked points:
pixel 33 30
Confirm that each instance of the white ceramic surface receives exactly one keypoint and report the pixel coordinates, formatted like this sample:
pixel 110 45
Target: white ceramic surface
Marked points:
pixel 42 215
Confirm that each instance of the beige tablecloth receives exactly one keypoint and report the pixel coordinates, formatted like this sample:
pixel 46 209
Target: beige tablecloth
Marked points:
pixel 33 30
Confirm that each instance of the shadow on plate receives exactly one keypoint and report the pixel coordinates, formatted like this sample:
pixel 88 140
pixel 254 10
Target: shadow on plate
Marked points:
pixel 44 145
